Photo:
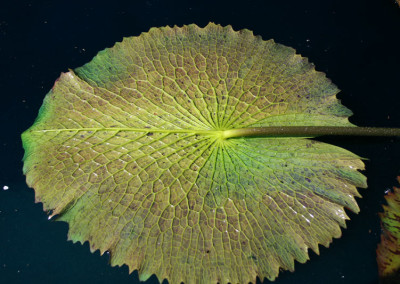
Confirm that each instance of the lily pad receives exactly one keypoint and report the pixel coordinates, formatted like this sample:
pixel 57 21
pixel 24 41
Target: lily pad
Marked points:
pixel 130 151
pixel 388 252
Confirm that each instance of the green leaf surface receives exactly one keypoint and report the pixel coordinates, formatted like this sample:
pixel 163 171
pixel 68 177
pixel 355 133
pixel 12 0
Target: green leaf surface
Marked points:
pixel 129 150
pixel 388 252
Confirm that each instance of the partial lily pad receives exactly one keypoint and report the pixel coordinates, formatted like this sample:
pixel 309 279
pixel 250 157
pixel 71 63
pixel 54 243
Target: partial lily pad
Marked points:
pixel 130 151
pixel 388 252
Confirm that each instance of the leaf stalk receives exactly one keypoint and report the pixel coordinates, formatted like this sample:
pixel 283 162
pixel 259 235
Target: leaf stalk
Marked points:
pixel 310 131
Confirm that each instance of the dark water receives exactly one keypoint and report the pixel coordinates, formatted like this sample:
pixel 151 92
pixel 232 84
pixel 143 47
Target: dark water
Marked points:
pixel 355 42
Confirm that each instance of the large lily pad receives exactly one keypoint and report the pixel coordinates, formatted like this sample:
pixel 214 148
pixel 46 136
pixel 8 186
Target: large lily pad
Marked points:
pixel 129 150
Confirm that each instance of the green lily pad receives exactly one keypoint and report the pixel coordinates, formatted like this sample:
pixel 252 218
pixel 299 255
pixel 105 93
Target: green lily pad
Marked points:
pixel 129 150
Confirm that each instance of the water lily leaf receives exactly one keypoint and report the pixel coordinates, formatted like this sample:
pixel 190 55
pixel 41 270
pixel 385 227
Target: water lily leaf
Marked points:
pixel 130 151
pixel 388 252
